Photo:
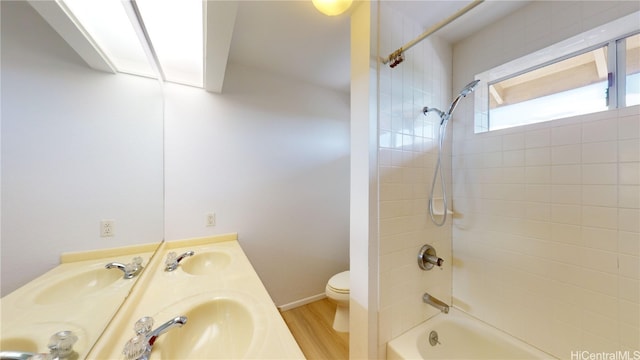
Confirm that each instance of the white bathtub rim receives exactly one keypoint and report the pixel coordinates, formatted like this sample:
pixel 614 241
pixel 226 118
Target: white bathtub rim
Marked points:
pixel 400 345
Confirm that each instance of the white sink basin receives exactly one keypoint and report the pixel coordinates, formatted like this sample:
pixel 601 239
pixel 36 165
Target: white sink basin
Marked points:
pixel 18 344
pixel 220 328
pixel 206 263
pixel 74 287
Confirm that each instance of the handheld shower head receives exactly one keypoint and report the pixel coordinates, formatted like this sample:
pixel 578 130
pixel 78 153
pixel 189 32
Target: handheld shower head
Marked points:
pixel 468 89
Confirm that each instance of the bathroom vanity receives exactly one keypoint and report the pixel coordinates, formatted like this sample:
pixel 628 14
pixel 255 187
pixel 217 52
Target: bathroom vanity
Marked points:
pixel 209 304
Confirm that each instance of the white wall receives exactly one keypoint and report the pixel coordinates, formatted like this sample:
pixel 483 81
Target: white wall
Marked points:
pixel 78 146
pixel 363 295
pixel 548 244
pixel 270 156
pixel 407 153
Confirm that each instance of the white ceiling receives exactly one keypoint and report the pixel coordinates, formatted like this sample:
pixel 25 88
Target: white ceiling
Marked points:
pixel 293 39
pixel 288 37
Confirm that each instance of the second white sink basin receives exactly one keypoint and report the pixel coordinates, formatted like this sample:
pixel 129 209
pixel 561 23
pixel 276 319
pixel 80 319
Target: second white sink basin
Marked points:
pixel 18 344
pixel 220 325
pixel 73 287
pixel 206 263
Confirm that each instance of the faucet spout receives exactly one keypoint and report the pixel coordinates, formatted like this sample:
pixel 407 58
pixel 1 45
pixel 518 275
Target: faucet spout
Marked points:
pixel 178 321
pixel 172 261
pixel 438 304
pixel 139 347
pixel 116 265
pixel 130 270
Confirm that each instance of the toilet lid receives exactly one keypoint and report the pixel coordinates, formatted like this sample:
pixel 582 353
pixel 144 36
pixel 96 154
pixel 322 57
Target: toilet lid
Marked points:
pixel 340 282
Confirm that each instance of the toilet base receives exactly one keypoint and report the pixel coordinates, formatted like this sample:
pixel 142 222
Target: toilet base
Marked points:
pixel 341 320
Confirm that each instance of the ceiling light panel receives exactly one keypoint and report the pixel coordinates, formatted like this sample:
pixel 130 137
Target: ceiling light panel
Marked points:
pixel 176 31
pixel 108 24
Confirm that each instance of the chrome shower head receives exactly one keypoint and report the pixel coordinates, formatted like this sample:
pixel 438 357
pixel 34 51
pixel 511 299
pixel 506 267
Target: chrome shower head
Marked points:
pixel 469 88
pixel 463 93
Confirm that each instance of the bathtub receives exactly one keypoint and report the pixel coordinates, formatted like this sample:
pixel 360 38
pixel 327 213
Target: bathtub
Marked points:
pixel 459 336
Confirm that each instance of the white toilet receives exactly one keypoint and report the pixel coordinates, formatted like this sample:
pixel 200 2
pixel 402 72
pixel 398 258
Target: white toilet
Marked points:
pixel 337 290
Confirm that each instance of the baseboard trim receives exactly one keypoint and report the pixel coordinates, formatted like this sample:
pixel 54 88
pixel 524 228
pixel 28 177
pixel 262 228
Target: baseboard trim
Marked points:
pixel 301 302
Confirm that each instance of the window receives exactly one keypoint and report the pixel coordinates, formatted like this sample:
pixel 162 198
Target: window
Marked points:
pixel 574 86
pixel 632 70
pixel 567 79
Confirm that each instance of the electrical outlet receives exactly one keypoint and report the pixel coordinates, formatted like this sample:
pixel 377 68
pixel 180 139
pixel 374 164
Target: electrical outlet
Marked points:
pixel 211 219
pixel 107 228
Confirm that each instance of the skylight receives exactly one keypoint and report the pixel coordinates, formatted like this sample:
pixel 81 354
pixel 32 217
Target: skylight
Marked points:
pixel 175 30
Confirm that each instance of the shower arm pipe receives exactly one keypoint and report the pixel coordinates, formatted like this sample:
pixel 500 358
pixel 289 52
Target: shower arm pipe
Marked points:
pixel 431 30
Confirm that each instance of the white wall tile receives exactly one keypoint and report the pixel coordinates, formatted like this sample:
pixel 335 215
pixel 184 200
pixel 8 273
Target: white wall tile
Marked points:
pixel 600 238
pixel 599 216
pixel 629 220
pixel 578 241
pixel 629 150
pixel 406 173
pixel 629 173
pixel 566 154
pixel 629 243
pixel 629 289
pixel 580 190
pixel 566 135
pixel 629 266
pixel 568 174
pixel 600 152
pixel 629 126
pixel 600 174
pixel 602 130
pixel 600 195
pixel 538 156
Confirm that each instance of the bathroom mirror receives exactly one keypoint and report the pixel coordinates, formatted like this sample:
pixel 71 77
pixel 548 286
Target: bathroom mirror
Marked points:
pixel 79 146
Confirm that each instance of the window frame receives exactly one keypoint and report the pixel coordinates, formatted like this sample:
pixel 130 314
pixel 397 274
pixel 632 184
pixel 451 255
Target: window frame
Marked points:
pixel 613 35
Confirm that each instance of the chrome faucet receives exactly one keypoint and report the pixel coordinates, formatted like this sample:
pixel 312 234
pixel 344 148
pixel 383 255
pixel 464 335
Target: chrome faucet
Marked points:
pixel 60 348
pixel 130 270
pixel 173 261
pixel 438 304
pixel 139 347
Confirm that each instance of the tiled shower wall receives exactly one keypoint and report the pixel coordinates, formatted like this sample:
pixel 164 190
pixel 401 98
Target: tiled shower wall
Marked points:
pixel 407 154
pixel 546 243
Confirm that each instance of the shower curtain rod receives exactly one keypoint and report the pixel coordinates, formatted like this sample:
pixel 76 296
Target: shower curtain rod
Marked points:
pixel 397 57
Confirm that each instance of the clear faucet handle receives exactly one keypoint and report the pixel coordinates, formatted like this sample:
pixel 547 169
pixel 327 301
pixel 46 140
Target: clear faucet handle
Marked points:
pixel 61 343
pixel 171 258
pixel 143 326
pixel 136 347
pixel 137 260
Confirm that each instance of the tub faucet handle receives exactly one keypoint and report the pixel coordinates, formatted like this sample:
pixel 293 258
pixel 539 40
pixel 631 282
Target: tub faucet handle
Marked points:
pixel 427 258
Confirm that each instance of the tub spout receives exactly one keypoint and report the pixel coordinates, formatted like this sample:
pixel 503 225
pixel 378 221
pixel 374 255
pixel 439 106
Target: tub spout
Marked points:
pixel 435 303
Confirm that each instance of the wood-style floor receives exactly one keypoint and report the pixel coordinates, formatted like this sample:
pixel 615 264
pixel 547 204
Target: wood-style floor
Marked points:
pixel 311 326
